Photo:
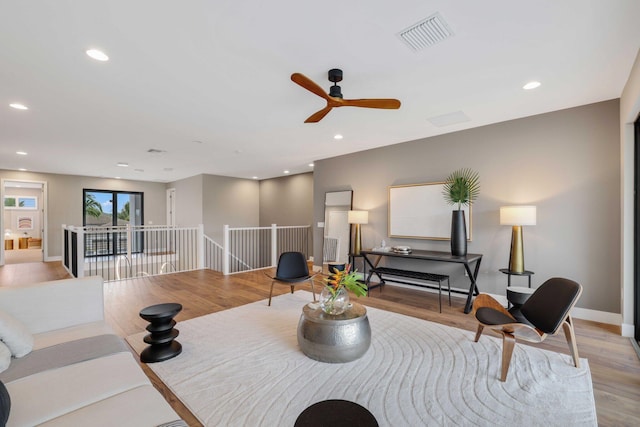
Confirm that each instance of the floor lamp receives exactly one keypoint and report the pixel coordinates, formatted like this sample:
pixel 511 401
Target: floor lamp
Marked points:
pixel 357 218
pixel 517 216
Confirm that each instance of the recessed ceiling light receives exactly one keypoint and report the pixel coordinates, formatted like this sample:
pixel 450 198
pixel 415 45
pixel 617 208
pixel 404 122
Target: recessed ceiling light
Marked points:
pixel 116 177
pixel 18 106
pixel 337 136
pixel 311 165
pixel 21 153
pixel 285 171
pixel 22 169
pixel 98 55
pixel 531 85
pixel 123 164
pixel 255 177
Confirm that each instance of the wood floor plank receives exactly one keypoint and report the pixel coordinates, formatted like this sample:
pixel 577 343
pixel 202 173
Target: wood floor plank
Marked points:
pixel 615 367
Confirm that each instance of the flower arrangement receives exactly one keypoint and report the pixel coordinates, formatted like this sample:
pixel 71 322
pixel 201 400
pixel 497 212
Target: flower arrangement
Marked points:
pixel 347 279
pixel 334 298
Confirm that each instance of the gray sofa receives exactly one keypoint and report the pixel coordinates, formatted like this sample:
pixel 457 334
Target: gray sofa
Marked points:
pixel 78 372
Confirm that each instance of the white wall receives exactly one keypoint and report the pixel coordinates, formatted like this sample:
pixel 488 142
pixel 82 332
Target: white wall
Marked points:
pixel 629 110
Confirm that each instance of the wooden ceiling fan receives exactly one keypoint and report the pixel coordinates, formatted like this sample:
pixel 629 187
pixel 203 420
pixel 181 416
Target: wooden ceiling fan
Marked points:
pixel 334 98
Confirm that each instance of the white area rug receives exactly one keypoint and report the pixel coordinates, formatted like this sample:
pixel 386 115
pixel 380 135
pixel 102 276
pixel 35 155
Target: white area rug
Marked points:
pixel 243 367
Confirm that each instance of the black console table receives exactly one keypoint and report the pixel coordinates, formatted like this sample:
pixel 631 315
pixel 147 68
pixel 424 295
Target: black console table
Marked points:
pixel 372 258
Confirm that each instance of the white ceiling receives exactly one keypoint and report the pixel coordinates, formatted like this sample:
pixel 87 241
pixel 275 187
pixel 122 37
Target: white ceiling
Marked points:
pixel 208 82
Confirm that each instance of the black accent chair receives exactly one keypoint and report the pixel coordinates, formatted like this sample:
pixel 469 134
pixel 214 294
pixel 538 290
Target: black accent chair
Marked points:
pixel 292 270
pixel 546 310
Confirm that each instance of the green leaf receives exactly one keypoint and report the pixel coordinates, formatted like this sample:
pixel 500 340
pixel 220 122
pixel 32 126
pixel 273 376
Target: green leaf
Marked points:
pixel 461 187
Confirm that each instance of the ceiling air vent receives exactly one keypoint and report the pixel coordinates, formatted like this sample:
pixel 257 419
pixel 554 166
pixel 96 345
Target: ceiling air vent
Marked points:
pixel 426 33
pixel 155 151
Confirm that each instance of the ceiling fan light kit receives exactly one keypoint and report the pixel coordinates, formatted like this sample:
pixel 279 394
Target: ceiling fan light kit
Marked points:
pixel 335 98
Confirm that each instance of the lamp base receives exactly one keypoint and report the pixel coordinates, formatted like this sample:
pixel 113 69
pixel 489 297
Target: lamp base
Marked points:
pixel 357 241
pixel 516 256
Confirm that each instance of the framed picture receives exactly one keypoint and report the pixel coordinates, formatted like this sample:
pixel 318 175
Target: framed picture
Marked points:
pixel 419 211
pixel 21 202
pixel 25 223
pixel 10 202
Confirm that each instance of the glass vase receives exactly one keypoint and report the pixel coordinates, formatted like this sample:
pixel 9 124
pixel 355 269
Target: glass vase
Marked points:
pixel 334 303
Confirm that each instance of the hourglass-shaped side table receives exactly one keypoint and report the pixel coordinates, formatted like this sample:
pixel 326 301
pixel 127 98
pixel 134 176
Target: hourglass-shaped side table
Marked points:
pixel 161 339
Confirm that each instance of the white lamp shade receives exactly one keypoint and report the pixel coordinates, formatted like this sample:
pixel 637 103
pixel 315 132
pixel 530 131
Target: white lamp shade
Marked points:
pixel 518 215
pixel 358 217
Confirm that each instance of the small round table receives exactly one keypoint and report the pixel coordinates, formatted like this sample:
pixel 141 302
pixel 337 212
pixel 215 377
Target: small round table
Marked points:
pixel 161 339
pixel 510 273
pixel 336 413
pixel 334 339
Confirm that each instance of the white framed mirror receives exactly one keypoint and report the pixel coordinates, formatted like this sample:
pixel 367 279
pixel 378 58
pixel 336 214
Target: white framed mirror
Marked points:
pixel 337 232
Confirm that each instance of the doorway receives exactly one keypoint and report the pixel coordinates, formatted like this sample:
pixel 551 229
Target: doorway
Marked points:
pixel 24 221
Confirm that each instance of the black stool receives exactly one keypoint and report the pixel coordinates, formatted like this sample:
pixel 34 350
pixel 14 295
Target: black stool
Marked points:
pixel 161 340
pixel 336 413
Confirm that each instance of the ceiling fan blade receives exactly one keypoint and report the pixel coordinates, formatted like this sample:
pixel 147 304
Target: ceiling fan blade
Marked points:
pixel 387 104
pixel 317 116
pixel 309 85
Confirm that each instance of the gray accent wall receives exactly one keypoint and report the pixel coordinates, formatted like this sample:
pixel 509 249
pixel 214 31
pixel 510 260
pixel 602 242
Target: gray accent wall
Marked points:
pixel 287 200
pixel 188 200
pixel 567 163
pixel 231 201
pixel 214 201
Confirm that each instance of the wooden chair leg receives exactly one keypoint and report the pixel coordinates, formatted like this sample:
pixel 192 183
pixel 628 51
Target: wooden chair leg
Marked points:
pixel 479 332
pixel 292 289
pixel 570 334
pixel 508 344
pixel 270 293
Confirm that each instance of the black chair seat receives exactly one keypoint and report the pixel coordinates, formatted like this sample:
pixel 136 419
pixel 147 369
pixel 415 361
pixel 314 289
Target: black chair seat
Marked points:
pixel 292 279
pixel 489 316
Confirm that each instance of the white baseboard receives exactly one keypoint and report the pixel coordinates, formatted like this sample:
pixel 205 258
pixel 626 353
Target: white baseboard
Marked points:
pixel 628 330
pixel 597 316
pixel 53 258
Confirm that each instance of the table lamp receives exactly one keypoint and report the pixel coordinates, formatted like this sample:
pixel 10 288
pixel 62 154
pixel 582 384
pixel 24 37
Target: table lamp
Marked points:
pixel 517 216
pixel 357 218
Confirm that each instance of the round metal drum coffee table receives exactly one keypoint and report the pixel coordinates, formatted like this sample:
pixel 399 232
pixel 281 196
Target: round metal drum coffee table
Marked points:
pixel 334 339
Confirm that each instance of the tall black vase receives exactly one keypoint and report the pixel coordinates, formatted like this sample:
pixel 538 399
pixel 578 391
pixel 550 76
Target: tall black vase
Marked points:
pixel 458 233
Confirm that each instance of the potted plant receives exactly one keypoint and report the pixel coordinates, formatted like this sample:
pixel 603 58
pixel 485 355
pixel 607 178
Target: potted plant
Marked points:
pixel 461 188
pixel 334 298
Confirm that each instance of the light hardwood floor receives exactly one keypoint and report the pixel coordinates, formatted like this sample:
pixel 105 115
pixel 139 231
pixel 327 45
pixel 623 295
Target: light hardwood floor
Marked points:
pixel 614 365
